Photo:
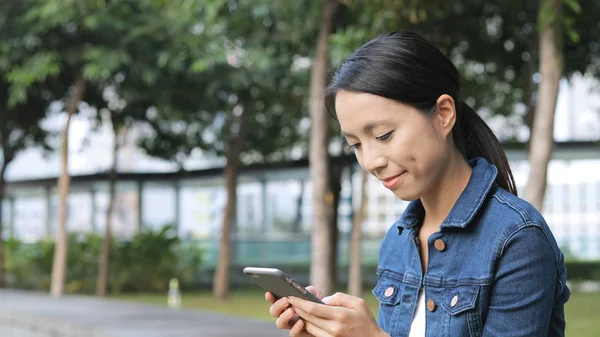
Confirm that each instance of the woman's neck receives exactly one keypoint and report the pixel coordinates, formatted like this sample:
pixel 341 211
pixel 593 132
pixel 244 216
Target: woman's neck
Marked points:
pixel 439 202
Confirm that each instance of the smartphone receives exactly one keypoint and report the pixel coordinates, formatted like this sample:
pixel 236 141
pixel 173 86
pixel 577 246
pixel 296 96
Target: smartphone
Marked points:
pixel 279 283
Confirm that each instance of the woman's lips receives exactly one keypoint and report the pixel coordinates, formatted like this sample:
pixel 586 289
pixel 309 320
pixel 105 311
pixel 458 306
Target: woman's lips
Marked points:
pixel 393 181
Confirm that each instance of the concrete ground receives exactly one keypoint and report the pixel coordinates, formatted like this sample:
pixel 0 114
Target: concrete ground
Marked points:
pixel 27 314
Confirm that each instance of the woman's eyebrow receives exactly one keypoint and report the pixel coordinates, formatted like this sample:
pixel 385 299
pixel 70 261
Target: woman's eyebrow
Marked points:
pixel 367 128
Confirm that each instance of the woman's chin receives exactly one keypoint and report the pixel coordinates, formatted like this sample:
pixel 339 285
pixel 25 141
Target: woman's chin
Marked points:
pixel 405 194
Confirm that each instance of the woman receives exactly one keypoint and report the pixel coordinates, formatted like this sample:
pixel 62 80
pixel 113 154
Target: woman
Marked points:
pixel 467 257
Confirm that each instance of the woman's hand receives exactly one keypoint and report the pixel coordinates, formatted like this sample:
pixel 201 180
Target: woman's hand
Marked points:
pixel 287 319
pixel 343 316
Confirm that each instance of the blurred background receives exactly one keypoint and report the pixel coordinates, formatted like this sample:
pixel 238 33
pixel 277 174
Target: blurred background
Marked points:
pixel 187 139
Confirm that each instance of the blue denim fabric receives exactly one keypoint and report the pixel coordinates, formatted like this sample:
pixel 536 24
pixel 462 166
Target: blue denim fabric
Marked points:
pixel 500 261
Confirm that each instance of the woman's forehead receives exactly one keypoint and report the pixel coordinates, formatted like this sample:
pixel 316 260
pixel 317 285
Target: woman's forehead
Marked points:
pixel 360 112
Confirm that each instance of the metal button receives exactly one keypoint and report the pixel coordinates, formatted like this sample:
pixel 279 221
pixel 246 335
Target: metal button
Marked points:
pixel 454 301
pixel 431 305
pixel 440 245
pixel 389 292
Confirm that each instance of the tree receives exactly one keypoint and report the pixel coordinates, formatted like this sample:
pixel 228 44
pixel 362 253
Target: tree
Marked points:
pixel 19 129
pixel 104 258
pixel 355 281
pixel 231 92
pixel 123 100
pixel 551 69
pixel 237 126
pixel 20 110
pixel 119 131
pixel 72 44
pixel 322 197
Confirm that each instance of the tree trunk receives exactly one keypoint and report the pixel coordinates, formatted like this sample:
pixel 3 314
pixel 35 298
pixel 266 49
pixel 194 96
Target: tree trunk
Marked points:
pixel 355 271
pixel 542 135
pixel 7 157
pixel 237 131
pixel 59 264
pixel 530 68
pixel 2 181
pixel 528 92
pixel 321 261
pixel 104 263
pixel 336 166
pixel 298 219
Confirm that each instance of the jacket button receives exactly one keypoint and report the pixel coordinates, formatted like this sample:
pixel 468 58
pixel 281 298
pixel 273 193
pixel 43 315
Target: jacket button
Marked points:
pixel 389 292
pixel 454 301
pixel 440 245
pixel 431 305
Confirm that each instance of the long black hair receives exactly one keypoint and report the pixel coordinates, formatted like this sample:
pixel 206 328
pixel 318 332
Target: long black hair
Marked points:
pixel 405 67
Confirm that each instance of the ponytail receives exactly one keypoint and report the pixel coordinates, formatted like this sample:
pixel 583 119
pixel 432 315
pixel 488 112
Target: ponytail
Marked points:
pixel 474 138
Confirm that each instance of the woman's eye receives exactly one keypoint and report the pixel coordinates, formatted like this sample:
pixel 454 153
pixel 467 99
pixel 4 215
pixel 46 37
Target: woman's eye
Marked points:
pixel 385 137
pixel 354 146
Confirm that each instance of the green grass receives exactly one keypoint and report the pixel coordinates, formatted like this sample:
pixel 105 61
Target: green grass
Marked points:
pixel 582 310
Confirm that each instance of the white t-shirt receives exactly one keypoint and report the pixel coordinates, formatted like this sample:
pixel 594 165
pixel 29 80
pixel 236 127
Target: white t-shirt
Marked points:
pixel 417 327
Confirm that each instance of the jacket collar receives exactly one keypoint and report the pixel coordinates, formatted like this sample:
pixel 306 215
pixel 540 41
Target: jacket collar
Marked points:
pixel 470 201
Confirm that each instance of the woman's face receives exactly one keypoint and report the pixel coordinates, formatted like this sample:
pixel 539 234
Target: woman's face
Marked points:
pixel 397 143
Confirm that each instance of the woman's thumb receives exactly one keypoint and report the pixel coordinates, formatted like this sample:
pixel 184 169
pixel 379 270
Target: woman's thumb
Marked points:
pixel 315 292
pixel 342 300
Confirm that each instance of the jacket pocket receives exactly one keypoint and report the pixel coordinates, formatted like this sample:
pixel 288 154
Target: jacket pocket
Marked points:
pixel 460 303
pixel 389 293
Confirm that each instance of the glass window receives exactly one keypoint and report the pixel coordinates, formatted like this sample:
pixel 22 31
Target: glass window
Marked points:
pixel 583 197
pixel 158 206
pixel 249 205
pixel 125 212
pixel 548 199
pixel 566 198
pixel 598 196
pixel 30 218
pixel 283 211
pixel 202 211
pixel 6 217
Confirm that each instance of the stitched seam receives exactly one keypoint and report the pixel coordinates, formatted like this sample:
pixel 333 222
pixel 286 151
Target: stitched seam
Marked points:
pixel 532 224
pixel 501 199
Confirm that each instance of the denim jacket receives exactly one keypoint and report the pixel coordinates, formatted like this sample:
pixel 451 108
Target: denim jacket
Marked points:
pixel 494 268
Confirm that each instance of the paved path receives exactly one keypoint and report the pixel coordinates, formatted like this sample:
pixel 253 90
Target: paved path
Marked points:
pixel 25 314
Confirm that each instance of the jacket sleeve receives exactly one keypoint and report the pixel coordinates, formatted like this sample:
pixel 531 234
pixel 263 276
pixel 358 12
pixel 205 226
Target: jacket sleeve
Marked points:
pixel 522 299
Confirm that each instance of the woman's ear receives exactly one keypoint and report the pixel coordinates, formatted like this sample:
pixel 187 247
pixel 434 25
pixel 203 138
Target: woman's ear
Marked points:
pixel 445 116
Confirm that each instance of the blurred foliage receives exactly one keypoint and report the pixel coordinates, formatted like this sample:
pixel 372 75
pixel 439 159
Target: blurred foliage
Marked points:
pixel 20 113
pixel 145 263
pixel 179 67
pixel 583 270
pixel 233 56
pixel 493 43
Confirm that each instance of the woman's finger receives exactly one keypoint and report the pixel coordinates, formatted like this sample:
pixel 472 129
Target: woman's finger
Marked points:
pixel 316 330
pixel 315 309
pixel 284 320
pixel 298 329
pixel 323 324
pixel 270 297
pixel 278 307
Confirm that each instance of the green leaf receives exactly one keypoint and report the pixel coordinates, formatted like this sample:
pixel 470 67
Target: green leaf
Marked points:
pixel 574 35
pixel 573 5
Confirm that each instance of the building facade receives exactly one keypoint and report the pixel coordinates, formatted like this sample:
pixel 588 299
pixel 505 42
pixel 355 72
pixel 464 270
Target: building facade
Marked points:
pixel 273 219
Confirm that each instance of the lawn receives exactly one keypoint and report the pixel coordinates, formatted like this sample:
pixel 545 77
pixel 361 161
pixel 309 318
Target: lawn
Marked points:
pixel 582 310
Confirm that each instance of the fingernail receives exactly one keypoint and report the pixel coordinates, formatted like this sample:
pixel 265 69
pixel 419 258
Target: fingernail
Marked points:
pixel 290 300
pixel 326 300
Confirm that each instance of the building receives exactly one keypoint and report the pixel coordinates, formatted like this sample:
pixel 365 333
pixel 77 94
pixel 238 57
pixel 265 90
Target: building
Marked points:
pixel 273 221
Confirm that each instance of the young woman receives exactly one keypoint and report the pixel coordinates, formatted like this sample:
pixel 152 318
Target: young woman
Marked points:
pixel 467 257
